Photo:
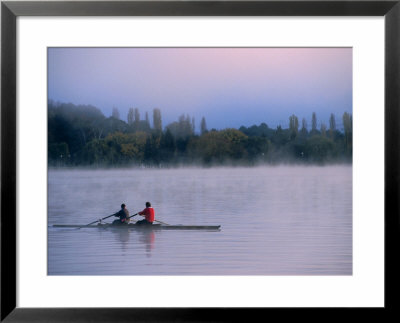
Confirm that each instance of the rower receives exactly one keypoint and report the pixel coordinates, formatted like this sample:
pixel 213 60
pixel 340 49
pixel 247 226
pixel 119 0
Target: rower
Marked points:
pixel 148 213
pixel 123 215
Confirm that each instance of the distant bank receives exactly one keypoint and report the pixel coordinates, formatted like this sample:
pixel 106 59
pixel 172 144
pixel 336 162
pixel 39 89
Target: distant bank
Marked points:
pixel 81 136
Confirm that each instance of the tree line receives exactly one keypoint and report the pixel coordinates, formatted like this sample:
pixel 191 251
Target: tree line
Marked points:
pixel 80 135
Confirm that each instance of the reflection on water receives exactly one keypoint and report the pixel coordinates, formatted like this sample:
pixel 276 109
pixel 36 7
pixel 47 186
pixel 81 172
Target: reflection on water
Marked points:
pixel 143 238
pixel 275 221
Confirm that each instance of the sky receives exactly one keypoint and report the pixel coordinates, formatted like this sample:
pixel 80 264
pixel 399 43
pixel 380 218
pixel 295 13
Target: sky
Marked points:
pixel 230 87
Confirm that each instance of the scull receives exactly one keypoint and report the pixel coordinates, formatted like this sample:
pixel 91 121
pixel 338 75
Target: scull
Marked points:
pixel 142 227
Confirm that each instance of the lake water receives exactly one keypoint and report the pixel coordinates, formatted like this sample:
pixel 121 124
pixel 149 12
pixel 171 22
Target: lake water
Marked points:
pixel 283 220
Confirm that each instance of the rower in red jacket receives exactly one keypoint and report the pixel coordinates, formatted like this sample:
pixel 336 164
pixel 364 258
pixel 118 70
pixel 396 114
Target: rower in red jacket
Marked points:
pixel 149 215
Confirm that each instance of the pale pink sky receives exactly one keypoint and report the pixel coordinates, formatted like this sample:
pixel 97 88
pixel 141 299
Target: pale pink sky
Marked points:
pixel 229 86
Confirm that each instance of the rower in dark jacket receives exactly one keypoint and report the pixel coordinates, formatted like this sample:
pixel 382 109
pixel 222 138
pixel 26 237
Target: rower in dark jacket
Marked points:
pixel 123 215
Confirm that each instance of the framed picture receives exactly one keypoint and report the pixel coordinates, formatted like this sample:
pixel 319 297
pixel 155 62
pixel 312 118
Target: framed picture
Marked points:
pixel 241 88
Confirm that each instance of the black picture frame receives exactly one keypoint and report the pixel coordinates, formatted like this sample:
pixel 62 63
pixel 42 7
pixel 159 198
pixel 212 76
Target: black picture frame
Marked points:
pixel 10 10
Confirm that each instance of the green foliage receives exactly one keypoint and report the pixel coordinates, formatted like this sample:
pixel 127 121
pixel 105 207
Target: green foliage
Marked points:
pixel 116 148
pixel 182 129
pixel 260 131
pixel 257 148
pixel 348 133
pixel 167 147
pixel 319 149
pixel 221 146
pixel 59 152
pixel 82 135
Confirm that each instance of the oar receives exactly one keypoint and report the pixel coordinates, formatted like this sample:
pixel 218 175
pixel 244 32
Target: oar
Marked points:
pixel 107 218
pixel 131 216
pixel 155 220
pixel 100 219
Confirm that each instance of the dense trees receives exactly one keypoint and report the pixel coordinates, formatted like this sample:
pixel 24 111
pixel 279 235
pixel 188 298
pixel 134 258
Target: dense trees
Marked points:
pixel 348 133
pixel 157 123
pixel 82 135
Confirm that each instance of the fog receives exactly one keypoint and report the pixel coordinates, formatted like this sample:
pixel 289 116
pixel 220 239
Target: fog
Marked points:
pixel 275 220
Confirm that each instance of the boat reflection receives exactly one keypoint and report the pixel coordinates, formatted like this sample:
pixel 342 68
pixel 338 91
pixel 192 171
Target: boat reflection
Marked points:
pixel 145 238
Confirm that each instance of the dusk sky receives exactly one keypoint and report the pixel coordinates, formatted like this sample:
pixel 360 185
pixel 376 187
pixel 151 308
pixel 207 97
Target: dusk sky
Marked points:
pixel 230 87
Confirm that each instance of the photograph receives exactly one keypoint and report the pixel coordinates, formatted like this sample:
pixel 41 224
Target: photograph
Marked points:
pixel 200 161
pixel 168 161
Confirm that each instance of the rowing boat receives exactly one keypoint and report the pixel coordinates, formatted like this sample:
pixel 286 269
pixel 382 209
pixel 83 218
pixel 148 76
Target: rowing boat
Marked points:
pixel 142 227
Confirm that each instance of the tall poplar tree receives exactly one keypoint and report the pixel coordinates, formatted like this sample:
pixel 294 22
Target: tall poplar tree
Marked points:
pixel 332 125
pixel 115 113
pixel 314 123
pixel 157 123
pixel 137 119
pixel 293 124
pixel 130 116
pixel 203 126
pixel 348 131
pixel 304 130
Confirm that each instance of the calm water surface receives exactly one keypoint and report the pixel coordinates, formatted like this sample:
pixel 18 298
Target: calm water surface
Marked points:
pixel 274 221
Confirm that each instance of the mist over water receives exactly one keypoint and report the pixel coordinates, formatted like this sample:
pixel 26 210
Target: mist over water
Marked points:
pixel 282 220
